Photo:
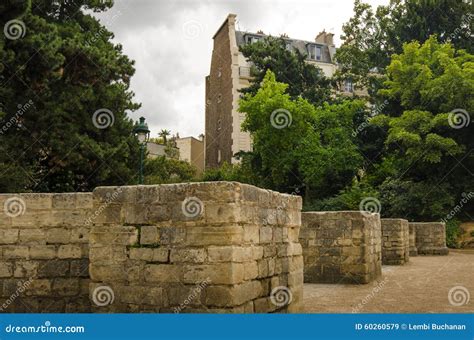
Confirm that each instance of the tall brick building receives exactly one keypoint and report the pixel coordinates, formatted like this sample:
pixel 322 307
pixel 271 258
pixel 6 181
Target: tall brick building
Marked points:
pixel 230 72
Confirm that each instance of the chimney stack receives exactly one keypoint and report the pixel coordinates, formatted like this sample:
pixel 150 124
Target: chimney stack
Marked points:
pixel 325 38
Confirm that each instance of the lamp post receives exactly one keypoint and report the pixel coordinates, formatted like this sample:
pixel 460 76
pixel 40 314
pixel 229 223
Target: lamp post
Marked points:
pixel 142 133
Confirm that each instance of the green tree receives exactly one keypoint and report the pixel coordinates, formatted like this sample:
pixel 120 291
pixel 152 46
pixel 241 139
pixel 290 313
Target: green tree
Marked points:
pixel 371 36
pixel 76 134
pixel 241 172
pixel 161 170
pixel 429 134
pixel 415 200
pixel 290 67
pixel 296 145
pixel 361 53
pixel 451 20
pixel 347 199
pixel 332 163
pixel 164 133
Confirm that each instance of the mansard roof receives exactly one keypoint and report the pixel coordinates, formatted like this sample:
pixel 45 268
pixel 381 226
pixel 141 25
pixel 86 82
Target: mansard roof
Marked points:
pixel 300 45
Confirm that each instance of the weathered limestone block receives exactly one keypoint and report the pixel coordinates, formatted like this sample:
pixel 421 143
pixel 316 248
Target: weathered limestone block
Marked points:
pixel 43 252
pixel 430 238
pixel 395 241
pixel 341 246
pixel 412 237
pixel 6 269
pixel 9 236
pixel 218 247
pixel 44 264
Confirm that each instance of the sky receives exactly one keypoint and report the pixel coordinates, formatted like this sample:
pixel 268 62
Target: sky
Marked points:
pixel 171 44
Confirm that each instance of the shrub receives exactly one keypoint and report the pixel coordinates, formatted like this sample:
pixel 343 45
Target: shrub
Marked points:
pixel 453 231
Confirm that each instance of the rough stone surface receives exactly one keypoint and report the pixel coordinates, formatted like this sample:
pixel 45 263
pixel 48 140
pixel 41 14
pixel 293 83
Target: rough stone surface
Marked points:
pixel 44 253
pixel 218 247
pixel 430 238
pixel 395 241
pixel 412 241
pixel 341 247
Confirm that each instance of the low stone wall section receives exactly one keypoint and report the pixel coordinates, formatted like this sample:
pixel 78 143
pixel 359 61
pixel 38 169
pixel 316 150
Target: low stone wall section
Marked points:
pixel 430 238
pixel 219 247
pixel 341 247
pixel 412 237
pixel 395 241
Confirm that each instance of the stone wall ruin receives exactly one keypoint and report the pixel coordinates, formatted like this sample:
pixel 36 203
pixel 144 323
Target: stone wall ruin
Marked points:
pixel 341 247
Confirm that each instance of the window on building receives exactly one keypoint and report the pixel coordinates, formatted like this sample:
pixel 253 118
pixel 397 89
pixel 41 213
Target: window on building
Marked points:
pixel 289 46
pixel 319 53
pixel 219 156
pixel 219 125
pixel 252 39
pixel 348 86
pixel 315 52
pixel 311 52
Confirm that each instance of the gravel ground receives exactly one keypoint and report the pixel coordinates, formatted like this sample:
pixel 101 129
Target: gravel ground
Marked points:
pixel 421 286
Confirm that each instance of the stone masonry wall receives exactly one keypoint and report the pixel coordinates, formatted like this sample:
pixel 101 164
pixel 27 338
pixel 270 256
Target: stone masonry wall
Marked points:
pixel 44 252
pixel 395 241
pixel 341 247
pixel 197 247
pixel 412 240
pixel 430 238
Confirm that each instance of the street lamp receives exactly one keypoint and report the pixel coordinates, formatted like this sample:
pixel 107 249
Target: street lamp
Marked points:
pixel 142 133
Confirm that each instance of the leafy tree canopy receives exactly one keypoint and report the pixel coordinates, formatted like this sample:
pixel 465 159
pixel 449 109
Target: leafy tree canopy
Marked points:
pixel 290 67
pixel 430 134
pixel 65 97
pixel 298 145
pixel 162 170
pixel 371 36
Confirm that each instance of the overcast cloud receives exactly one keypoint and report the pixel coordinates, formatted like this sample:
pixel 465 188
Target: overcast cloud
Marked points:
pixel 171 43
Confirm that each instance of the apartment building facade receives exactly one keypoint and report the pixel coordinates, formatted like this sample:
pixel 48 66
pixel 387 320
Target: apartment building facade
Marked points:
pixel 188 149
pixel 191 150
pixel 230 72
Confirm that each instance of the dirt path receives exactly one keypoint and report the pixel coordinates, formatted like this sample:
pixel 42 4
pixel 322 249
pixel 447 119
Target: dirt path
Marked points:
pixel 422 286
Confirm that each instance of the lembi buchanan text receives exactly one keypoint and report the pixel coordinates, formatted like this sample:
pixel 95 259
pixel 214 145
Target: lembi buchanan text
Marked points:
pixel 436 327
